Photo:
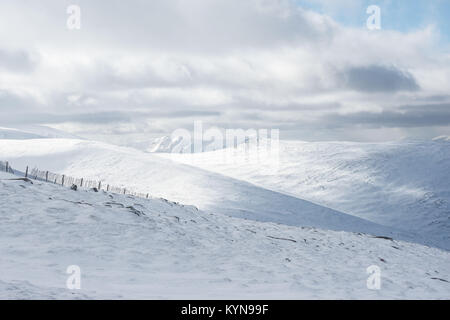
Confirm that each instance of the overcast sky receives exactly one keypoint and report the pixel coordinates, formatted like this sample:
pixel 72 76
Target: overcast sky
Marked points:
pixel 139 69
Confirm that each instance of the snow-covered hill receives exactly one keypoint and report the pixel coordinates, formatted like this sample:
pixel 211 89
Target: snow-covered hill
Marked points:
pixel 32 132
pixel 400 184
pixel 12 133
pixel 150 173
pixel 442 138
pixel 167 144
pixel 137 248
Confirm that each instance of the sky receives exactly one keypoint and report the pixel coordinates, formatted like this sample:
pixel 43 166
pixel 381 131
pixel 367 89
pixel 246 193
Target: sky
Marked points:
pixel 136 70
pixel 400 15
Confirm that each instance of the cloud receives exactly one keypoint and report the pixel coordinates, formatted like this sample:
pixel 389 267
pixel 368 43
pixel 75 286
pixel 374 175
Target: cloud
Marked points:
pixel 403 117
pixel 11 102
pixel 195 25
pixel 17 61
pixel 379 79
pixel 255 63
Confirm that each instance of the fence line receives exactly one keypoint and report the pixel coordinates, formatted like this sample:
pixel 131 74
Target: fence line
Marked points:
pixel 64 180
pixel 5 167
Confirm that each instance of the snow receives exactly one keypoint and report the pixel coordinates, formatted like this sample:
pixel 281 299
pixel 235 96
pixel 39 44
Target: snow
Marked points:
pixel 168 144
pixel 155 249
pixel 32 132
pixel 12 133
pixel 442 138
pixel 211 192
pixel 5 175
pixel 236 231
pixel 403 185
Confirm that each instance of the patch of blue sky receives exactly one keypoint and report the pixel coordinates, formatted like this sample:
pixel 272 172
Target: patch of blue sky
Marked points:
pixel 399 15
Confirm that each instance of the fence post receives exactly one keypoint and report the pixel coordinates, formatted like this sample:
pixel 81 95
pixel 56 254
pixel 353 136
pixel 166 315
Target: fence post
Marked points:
pixel 37 173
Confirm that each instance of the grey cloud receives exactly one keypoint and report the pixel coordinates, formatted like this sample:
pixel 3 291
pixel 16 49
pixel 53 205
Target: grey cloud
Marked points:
pixel 404 117
pixel 11 102
pixel 108 117
pixel 195 25
pixel 104 77
pixel 8 100
pixel 45 117
pixel 378 79
pixel 208 25
pixel 17 61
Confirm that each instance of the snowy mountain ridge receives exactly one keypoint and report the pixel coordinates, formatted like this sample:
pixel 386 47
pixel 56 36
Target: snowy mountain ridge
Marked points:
pixel 136 248
pixel 211 192
pixel 399 184
pixel 33 132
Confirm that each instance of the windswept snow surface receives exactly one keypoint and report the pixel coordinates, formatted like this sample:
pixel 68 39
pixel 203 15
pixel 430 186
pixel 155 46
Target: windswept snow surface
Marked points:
pixel 168 144
pixel 211 192
pixel 12 133
pixel 403 184
pixel 442 138
pixel 33 132
pixel 155 249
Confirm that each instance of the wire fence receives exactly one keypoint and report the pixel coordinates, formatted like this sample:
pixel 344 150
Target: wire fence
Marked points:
pixel 5 167
pixel 68 181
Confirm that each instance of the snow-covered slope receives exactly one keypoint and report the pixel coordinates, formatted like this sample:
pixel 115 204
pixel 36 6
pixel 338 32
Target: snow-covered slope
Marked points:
pixel 32 132
pixel 442 138
pixel 400 184
pixel 149 173
pixel 12 133
pixel 167 144
pixel 138 248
